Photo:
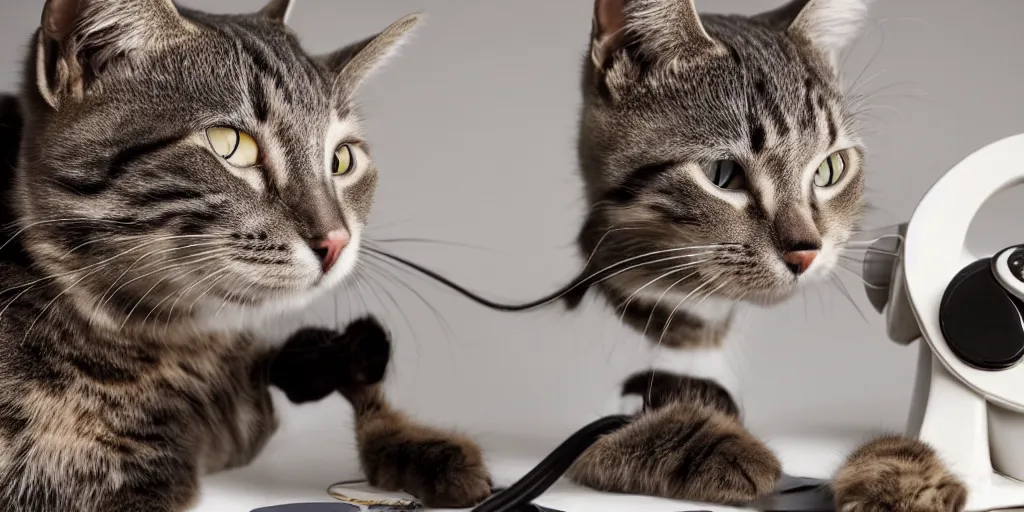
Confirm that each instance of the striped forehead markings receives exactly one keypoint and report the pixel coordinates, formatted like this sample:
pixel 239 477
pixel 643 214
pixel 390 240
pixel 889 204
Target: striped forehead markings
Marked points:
pixel 280 70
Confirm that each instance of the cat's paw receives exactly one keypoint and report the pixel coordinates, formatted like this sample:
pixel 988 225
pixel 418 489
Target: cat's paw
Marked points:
pixel 897 474
pixel 448 473
pixel 443 470
pixel 365 346
pixel 685 451
pixel 316 362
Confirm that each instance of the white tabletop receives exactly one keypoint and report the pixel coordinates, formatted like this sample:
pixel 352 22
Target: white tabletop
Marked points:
pixel 315 449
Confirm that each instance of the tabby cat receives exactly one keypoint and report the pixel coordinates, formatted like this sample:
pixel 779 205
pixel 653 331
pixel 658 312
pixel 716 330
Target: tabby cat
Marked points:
pixel 172 164
pixel 722 164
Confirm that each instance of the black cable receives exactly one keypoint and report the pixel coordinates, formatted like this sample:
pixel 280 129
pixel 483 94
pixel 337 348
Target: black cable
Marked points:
pixel 563 292
pixel 545 474
pixel 519 496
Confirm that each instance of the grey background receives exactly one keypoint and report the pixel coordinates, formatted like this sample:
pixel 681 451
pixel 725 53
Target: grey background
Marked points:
pixel 473 128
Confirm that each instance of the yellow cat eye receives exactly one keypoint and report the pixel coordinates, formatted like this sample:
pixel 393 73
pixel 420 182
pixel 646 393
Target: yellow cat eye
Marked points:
pixel 233 145
pixel 344 160
pixel 830 171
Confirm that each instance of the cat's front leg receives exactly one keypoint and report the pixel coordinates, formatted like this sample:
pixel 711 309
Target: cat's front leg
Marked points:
pixel 443 469
pixel 688 441
pixel 688 444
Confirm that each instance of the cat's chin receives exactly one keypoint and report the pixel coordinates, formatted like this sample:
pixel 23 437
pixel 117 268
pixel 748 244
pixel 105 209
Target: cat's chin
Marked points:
pixel 219 315
pixel 768 300
pixel 782 294
pixel 235 316
pixel 775 296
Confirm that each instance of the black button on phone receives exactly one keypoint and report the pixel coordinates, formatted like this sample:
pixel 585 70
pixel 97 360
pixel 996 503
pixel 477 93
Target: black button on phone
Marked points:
pixel 981 321
pixel 1016 264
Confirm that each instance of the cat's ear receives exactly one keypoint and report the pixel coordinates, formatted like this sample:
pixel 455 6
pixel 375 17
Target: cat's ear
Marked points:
pixel 78 38
pixel 829 25
pixel 609 29
pixel 278 10
pixel 356 62
pixel 660 27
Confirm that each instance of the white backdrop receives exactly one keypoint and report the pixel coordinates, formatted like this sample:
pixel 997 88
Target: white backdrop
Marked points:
pixel 473 128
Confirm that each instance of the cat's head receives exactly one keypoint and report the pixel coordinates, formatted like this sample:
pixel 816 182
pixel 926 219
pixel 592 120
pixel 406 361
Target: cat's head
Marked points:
pixel 719 152
pixel 172 156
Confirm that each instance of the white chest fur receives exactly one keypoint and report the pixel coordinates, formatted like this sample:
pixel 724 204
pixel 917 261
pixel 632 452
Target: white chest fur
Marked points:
pixel 720 364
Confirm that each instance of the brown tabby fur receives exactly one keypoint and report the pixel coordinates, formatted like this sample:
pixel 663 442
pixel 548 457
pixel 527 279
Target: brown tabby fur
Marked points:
pixel 670 99
pixel 118 388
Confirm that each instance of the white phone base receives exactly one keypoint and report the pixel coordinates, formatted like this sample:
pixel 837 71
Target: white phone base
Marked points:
pixel 955 421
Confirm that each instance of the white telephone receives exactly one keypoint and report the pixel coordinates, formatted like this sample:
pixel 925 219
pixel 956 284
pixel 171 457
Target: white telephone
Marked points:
pixel 968 309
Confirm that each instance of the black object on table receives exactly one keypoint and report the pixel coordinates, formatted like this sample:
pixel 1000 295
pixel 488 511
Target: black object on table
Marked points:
pixel 345 507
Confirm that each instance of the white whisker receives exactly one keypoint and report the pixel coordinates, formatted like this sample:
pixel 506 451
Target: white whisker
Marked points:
pixel 650 384
pixel 647 263
pixel 203 257
pixel 152 253
pixel 51 221
pixel 671 315
pixel 662 296
pixel 671 271
pixel 59 295
pixel 171 294
pixel 87 267
pixel 190 287
pixel 601 241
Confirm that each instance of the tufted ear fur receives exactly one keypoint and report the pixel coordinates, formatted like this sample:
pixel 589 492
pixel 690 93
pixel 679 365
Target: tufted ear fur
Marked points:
pixel 356 62
pixel 829 25
pixel 658 28
pixel 78 38
pixel 278 10
pixel 608 32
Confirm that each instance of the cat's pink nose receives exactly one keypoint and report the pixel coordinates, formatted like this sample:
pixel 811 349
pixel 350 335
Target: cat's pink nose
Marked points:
pixel 328 249
pixel 799 261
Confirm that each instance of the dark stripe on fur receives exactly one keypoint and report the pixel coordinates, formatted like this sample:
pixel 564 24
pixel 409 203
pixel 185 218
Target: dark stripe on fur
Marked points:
pixel 166 195
pixel 833 130
pixel 658 316
pixel 777 116
pixel 659 388
pixel 695 462
pixel 757 135
pixel 258 98
pixel 636 182
pixel 102 371
pixel 265 64
pixel 196 213
pixel 808 104
pixel 768 100
pixel 257 260
pixel 674 215
pixel 117 167
pixel 125 158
